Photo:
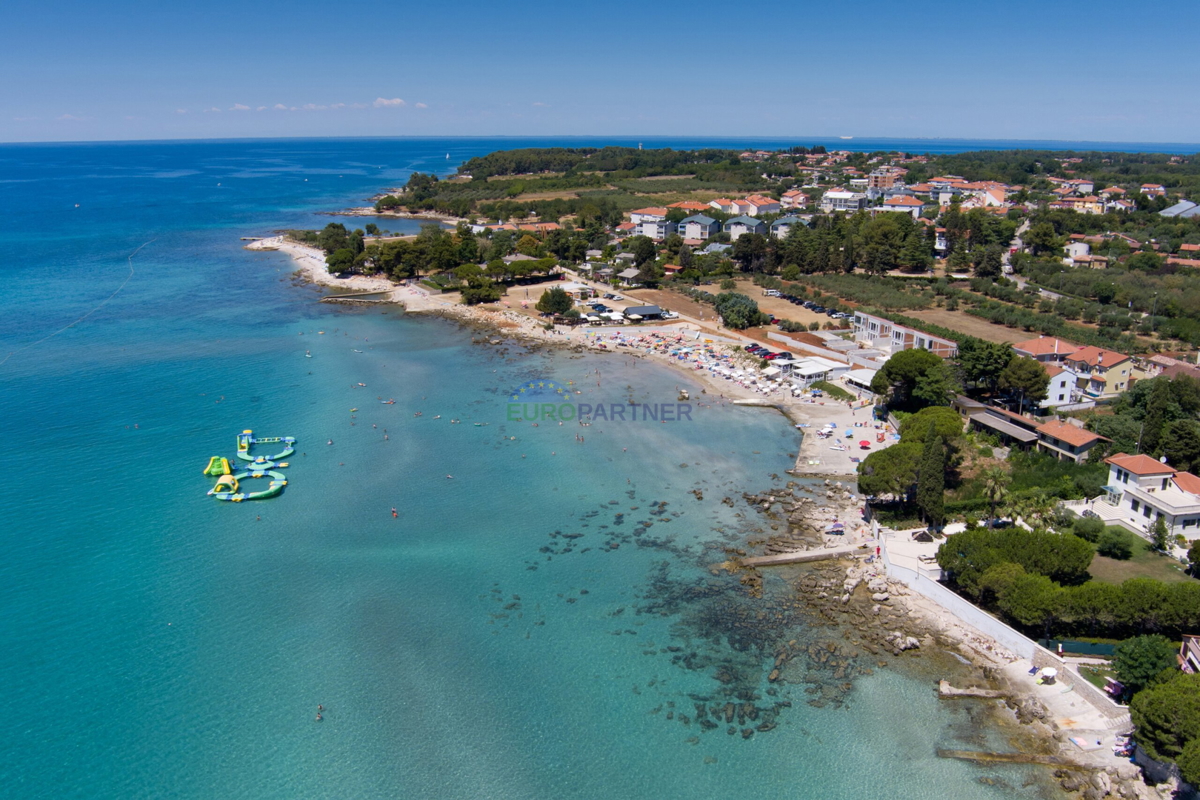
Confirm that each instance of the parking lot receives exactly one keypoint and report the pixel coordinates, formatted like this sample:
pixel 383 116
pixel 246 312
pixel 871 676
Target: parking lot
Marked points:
pixel 777 306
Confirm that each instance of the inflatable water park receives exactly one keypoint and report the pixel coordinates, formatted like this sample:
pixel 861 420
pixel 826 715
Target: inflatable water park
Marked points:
pixel 229 484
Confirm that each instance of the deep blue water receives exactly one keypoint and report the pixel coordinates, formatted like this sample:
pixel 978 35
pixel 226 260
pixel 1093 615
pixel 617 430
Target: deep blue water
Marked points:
pixel 155 642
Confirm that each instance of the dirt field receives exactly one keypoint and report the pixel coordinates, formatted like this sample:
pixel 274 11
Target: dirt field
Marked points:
pixel 671 301
pixel 776 306
pixel 972 326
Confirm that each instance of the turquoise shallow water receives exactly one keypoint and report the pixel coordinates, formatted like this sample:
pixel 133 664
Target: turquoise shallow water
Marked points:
pixel 522 630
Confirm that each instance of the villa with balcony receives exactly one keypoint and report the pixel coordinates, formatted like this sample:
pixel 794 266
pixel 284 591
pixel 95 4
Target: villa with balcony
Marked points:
pixel 1142 490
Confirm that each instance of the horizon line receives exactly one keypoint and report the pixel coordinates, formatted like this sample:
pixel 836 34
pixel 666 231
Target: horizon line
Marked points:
pixel 644 137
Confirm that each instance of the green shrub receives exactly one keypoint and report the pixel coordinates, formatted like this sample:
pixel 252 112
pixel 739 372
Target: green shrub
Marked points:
pixel 1089 528
pixel 1114 544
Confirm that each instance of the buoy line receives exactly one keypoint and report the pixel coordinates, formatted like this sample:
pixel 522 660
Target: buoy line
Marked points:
pixel 98 306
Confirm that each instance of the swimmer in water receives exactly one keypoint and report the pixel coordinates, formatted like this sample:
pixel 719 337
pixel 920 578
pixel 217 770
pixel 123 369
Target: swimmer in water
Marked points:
pixel 330 441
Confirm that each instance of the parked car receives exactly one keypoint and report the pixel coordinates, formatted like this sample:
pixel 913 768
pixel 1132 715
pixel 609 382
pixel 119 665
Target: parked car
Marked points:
pixel 770 356
pixel 750 348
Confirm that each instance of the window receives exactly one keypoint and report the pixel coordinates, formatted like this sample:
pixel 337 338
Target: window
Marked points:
pixel 1164 484
pixel 1060 398
pixel 1134 504
pixel 1190 523
pixel 1146 512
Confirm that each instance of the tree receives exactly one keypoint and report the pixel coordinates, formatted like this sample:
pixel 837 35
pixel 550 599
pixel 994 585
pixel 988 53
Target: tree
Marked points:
pixel 1027 379
pixel 940 421
pixel 643 249
pixel 340 260
pixel 1138 660
pixel 999 578
pixel 891 471
pixel 982 362
pixel 931 480
pixel 995 488
pixel 372 229
pixel 738 311
pixel 913 379
pixel 1194 556
pixel 1041 238
pixel 1157 409
pixel 529 246
pixel 1189 762
pixel 1181 444
pixel 481 289
pixel 991 262
pixel 1167 716
pixel 1158 534
pixel 555 301
pixel 1030 600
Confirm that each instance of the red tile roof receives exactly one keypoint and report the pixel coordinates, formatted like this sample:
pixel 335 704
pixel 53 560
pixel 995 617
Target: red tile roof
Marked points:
pixel 690 205
pixel 1045 345
pixel 903 200
pixel 1188 482
pixel 1139 464
pixel 1063 431
pixel 1097 356
pixel 657 211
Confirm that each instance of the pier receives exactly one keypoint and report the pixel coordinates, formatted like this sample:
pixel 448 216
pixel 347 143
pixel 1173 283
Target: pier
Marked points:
pixel 946 690
pixel 801 556
pixel 381 296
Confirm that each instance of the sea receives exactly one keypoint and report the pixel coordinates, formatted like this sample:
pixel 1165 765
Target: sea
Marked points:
pixel 539 618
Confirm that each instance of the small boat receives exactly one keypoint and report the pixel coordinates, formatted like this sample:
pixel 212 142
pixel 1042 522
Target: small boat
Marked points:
pixel 357 351
pixel 363 385
pixel 307 354
pixel 388 402
pixel 353 410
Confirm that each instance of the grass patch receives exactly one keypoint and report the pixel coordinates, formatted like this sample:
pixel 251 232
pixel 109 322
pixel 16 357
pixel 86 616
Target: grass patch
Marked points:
pixel 1097 676
pixel 836 392
pixel 1145 563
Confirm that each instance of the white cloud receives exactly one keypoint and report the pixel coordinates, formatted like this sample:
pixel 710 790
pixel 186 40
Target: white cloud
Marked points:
pixel 381 102
pixel 181 111
pixel 338 105
pixel 69 117
pixel 261 108
pixel 359 105
pixel 279 107
pixel 541 105
pixel 239 107
pixel 213 110
pixel 422 105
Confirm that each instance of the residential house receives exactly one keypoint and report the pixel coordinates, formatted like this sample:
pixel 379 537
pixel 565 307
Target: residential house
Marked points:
pixel 716 247
pixel 903 204
pixel 1141 491
pixel 794 199
pixel 1061 389
pixel 629 276
pixel 671 269
pixel 738 226
pixel 891 337
pixel 723 204
pixel 691 205
pixel 783 226
pixel 1153 190
pixel 657 229
pixel 698 226
pixel 626 229
pixel 842 200
pixel 1189 654
pixel 647 215
pixel 1046 349
pixel 756 205
pixel 1112 193
pixel 1101 373
pixel 1013 430
pixel 1067 442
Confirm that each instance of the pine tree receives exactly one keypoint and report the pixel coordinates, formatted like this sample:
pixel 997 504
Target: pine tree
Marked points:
pixel 931 481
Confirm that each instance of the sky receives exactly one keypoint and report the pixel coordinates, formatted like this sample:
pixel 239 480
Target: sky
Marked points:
pixel 1052 69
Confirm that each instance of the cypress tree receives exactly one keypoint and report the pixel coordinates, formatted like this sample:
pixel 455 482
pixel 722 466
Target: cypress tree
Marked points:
pixel 931 481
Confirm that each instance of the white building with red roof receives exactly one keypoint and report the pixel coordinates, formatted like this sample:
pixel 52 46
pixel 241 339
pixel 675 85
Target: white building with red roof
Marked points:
pixel 654 214
pixel 904 204
pixel 1046 349
pixel 1142 490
